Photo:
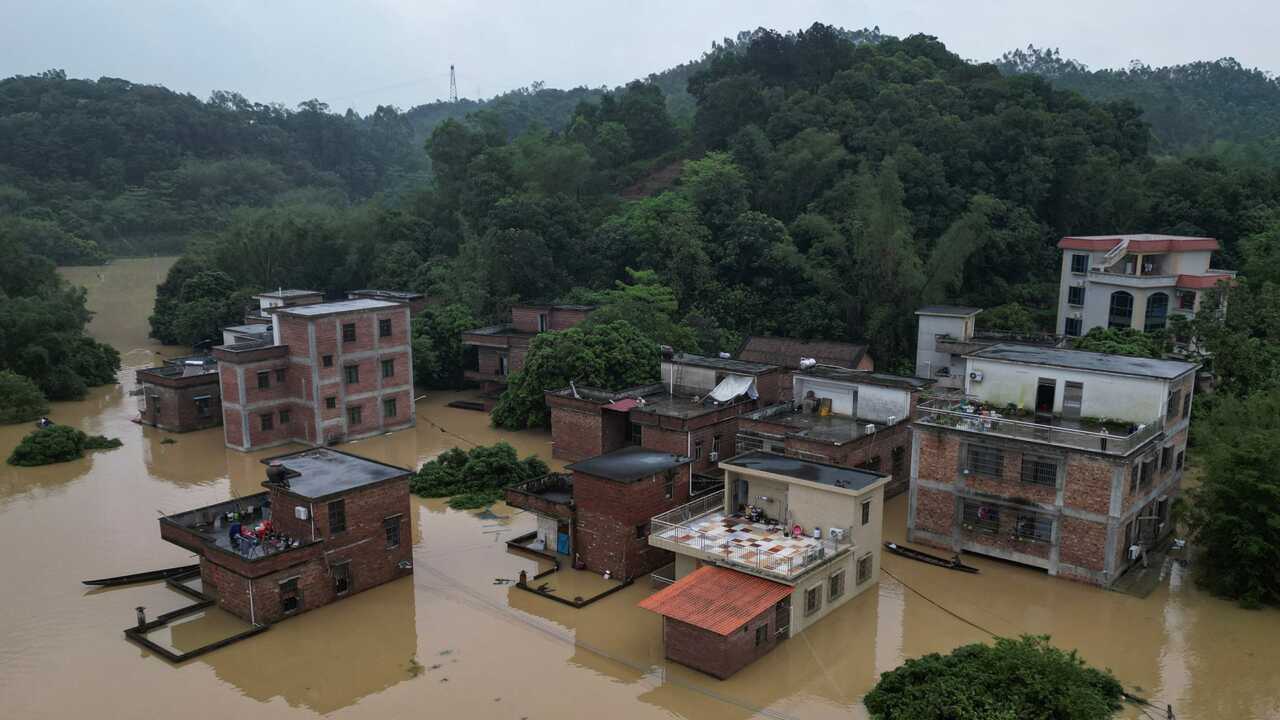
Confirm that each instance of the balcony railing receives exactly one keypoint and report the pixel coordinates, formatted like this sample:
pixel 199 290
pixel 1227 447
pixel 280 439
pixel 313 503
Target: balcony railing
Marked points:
pixel 964 415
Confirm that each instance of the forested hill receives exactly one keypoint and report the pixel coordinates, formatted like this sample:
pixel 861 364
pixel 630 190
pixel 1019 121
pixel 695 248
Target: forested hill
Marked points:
pixel 1218 106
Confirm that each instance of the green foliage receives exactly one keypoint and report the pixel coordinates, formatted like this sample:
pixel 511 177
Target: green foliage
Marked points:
pixel 475 478
pixel 20 399
pixel 1234 513
pixel 1010 317
pixel 1023 679
pixel 648 306
pixel 57 443
pixel 438 354
pixel 611 356
pixel 1123 341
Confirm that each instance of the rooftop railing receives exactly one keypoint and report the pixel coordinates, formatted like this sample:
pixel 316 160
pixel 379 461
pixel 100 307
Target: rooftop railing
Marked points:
pixel 967 415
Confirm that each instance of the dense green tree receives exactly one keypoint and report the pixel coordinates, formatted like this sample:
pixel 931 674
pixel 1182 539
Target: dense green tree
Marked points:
pixel 438 354
pixel 57 443
pixel 1123 341
pixel 475 478
pixel 1024 679
pixel 20 399
pixel 647 305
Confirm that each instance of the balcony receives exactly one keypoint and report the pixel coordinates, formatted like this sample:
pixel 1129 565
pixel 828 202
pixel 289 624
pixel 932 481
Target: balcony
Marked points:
pixel 702 529
pixel 1081 434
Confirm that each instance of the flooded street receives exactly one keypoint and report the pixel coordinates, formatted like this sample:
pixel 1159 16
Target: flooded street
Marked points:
pixel 449 642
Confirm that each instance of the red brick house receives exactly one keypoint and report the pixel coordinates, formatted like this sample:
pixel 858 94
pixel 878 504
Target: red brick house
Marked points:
pixel 416 301
pixel 332 372
pixel 1060 459
pixel 789 352
pixel 501 349
pixel 329 525
pixel 181 395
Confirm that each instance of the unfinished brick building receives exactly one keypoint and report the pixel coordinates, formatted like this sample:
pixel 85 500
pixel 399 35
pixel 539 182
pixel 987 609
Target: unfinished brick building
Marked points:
pixel 329 525
pixel 332 372
pixel 839 416
pixel 501 349
pixel 794 354
pixel 181 395
pixel 1061 459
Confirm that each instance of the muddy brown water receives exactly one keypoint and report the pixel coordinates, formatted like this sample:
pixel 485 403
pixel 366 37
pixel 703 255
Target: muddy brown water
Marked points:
pixel 448 642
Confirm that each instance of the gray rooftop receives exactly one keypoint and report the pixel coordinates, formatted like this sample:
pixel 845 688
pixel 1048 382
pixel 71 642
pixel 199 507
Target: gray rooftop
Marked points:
pixel 250 329
pixel 829 372
pixel 396 294
pixel 1084 360
pixel 736 366
pixel 501 329
pixel 322 472
pixel 340 306
pixel 949 310
pixel 833 429
pixel 629 464
pixel 815 472
pixel 283 294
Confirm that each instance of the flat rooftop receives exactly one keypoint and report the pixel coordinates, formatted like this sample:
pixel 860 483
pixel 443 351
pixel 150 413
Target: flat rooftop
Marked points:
pixel 322 472
pixel 1085 360
pixel 629 464
pixel 815 472
pixel 949 310
pixel 250 329
pixel 394 294
pixel 503 329
pixel 340 306
pixel 741 367
pixel 287 294
pixel 834 429
pixel 828 372
pixel 682 405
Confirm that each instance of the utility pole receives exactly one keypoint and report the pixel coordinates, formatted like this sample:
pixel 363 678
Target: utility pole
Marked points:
pixel 453 86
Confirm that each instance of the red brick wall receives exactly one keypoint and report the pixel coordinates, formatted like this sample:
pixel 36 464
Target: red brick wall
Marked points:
pixel 772 386
pixel 718 655
pixel 1005 541
pixel 525 319
pixel 1088 485
pixel 565 319
pixel 232 430
pixel 228 382
pixel 935 511
pixel 608 514
pixel 576 428
pixel 1083 543
pixel 177 409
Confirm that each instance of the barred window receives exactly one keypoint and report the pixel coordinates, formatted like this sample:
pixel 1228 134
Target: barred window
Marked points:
pixel 983 518
pixel 1075 295
pixel 1034 526
pixel 1072 327
pixel 1039 471
pixel 986 461
pixel 1175 404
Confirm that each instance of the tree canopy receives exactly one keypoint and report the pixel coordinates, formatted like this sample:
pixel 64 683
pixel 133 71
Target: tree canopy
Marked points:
pixel 475 478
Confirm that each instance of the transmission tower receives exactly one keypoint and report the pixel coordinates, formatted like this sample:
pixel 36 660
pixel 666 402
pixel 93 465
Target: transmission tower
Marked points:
pixel 453 86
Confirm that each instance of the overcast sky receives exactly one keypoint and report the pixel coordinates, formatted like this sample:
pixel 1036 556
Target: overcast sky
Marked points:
pixel 362 54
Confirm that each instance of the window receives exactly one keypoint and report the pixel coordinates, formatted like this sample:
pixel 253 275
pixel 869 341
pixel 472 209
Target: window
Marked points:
pixel 391 526
pixel 268 421
pixel 982 518
pixel 864 568
pixel 812 600
pixel 871 463
pixel 669 485
pixel 327 361
pixel 389 407
pixel 1121 314
pixel 202 406
pixel 1075 295
pixel 866 511
pixel 898 458
pixel 642 531
pixel 353 374
pixel 1177 463
pixel 1148 472
pixel 388 368
pixel 337 516
pixel 1135 477
pixel 384 328
pixel 1072 327
pixel 354 415
pixel 1157 311
pixel 264 380
pixel 1186 406
pixel 1166 458
pixel 1033 526
pixel 348 332
pixel 1175 404
pixel 633 433
pixel 986 461
pixel 835 586
pixel 697 450
pixel 715 445
pixel 542 322
pixel 1039 471
pixel 762 634
pixel 1079 263
pixel 342 578
pixel 279 375
pixel 290 600
pixel 284 417
pixel 331 402
pixel 1186 300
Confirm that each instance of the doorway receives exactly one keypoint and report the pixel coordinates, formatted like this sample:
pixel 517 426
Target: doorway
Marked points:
pixel 740 494
pixel 1046 392
pixel 1072 399
pixel 782 618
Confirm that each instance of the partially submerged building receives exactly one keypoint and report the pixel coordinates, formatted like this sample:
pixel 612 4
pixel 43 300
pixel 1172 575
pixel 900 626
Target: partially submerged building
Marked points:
pixel 501 349
pixel 1060 459
pixel 839 416
pixel 331 372
pixel 181 395
pixel 329 525
pixel 783 543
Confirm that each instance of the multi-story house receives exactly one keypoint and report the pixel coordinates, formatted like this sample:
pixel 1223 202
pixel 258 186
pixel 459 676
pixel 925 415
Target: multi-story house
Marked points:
pixel 783 543
pixel 1133 281
pixel 1060 459
pixel 501 349
pixel 331 372
pixel 329 525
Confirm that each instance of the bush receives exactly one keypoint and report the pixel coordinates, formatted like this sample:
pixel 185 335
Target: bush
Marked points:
pixel 57 443
pixel 475 478
pixel 1023 679
pixel 20 399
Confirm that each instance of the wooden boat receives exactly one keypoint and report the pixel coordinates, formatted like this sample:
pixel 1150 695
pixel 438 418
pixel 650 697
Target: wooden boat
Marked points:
pixel 949 563
pixel 141 577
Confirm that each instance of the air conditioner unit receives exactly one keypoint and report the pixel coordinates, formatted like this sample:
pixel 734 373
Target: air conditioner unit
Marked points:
pixel 870 428
pixel 976 376
pixel 713 456
pixel 837 533
pixel 300 512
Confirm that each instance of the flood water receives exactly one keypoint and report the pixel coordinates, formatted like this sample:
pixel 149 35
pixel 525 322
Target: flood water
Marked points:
pixel 449 642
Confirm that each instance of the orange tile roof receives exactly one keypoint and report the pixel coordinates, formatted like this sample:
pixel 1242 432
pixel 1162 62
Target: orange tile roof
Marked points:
pixel 1200 282
pixel 716 599
pixel 1144 243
